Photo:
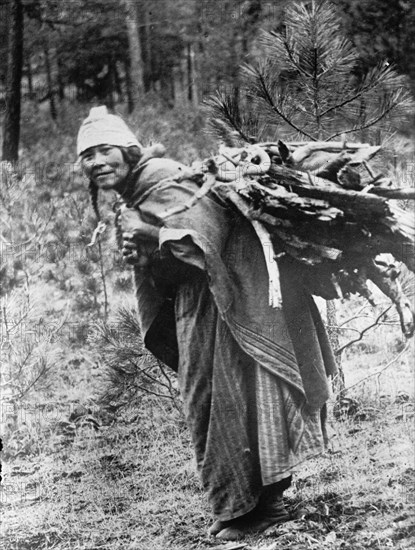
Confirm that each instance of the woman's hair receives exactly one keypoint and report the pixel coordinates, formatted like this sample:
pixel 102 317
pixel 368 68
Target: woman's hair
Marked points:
pixel 131 156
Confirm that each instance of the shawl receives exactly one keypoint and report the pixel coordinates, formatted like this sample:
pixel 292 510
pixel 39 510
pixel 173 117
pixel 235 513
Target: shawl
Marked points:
pixel 290 342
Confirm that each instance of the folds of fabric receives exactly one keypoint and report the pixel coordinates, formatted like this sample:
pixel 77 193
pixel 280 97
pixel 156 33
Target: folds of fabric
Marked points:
pixel 218 391
pixel 243 420
pixel 252 377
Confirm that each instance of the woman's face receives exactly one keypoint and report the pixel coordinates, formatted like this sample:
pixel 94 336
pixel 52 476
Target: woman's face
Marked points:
pixel 105 166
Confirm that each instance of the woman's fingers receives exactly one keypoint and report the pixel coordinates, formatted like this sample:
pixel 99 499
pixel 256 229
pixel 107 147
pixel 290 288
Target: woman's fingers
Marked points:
pixel 129 244
pixel 132 254
pixel 132 251
pixel 128 236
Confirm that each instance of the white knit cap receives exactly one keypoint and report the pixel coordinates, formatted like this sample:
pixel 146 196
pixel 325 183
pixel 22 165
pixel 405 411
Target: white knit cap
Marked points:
pixel 102 128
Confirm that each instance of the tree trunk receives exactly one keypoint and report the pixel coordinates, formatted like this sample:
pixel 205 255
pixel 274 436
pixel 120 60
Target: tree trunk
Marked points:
pixel 128 86
pixel 179 93
pixel 61 84
pixel 252 13
pixel 117 83
pixel 111 83
pixel 191 76
pixel 136 62
pixel 146 43
pixel 49 82
pixel 29 78
pixel 11 129
pixel 167 86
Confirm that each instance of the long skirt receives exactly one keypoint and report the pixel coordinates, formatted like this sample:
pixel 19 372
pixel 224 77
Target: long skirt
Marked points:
pixel 241 417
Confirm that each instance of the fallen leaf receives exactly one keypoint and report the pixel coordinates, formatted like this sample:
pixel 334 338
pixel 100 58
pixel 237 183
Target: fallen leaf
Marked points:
pixel 331 537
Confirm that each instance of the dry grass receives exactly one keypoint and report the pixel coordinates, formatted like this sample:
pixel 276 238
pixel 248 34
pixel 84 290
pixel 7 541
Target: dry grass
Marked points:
pixel 131 484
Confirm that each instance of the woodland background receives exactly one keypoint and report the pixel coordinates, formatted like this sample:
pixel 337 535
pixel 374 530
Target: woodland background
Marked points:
pixel 96 452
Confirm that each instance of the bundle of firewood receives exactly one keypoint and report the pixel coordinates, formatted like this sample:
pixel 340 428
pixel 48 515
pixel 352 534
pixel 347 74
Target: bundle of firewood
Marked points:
pixel 322 204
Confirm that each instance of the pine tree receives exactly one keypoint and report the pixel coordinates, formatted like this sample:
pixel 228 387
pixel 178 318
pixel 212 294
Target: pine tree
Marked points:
pixel 135 57
pixel 130 370
pixel 307 84
pixel 382 29
pixel 11 124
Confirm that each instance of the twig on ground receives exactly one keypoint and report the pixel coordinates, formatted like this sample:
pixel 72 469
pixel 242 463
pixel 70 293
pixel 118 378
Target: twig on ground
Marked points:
pixel 378 373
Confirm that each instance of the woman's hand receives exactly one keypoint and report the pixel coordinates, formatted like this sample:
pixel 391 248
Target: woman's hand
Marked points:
pixel 133 226
pixel 139 239
pixel 131 251
pixel 139 254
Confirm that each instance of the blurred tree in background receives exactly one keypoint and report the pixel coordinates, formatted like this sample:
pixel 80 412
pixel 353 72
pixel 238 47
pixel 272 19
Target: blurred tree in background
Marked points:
pixel 308 84
pixel 382 29
pixel 14 30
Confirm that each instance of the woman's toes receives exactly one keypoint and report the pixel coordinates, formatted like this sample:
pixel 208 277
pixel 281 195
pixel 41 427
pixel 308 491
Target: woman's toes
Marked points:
pixel 231 533
pixel 217 527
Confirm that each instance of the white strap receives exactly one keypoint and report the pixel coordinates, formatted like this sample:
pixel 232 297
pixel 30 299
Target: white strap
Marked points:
pixel 275 298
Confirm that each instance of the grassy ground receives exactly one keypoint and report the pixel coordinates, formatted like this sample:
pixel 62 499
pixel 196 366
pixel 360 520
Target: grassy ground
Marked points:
pixel 131 483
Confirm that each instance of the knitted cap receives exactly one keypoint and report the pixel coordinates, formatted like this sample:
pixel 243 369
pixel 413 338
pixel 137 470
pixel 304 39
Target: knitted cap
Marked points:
pixel 102 128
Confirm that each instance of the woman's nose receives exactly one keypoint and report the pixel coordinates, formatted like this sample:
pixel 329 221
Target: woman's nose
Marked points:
pixel 98 159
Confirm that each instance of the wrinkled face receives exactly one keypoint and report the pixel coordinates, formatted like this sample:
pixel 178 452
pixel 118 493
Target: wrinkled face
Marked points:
pixel 105 166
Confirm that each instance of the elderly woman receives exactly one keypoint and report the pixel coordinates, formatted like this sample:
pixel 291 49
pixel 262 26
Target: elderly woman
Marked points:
pixel 253 378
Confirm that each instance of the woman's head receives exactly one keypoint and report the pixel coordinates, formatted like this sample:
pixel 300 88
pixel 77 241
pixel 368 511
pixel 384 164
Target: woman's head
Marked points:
pixel 108 167
pixel 107 149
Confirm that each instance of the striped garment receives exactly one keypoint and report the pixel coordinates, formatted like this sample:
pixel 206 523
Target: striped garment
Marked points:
pixel 253 378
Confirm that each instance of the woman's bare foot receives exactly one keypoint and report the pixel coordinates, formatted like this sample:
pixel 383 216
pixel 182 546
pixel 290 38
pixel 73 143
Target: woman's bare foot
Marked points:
pixel 236 530
pixel 232 528
pixel 269 512
pixel 217 527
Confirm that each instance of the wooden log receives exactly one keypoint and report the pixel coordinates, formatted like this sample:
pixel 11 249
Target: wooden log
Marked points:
pixel 289 178
pixel 388 283
pixel 335 146
pixel 316 234
pixel 309 226
pixel 332 231
pixel 404 193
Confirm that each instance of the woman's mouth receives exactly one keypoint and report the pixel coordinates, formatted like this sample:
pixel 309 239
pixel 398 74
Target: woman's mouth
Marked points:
pixel 102 178
pixel 103 174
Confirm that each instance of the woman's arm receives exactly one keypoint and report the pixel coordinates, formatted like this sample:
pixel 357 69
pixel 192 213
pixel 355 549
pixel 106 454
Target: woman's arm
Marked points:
pixel 139 239
pixel 133 225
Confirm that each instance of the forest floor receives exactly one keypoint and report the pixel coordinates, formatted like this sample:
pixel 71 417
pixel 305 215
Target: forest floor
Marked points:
pixel 131 483
pixel 78 476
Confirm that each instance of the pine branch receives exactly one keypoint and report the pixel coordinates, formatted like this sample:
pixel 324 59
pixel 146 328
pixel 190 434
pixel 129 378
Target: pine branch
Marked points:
pixel 313 32
pixel 282 47
pixel 151 392
pixel 380 76
pixel 305 84
pixel 145 372
pixel 228 112
pixel 163 372
pixel 265 94
pixel 302 73
pixel 370 123
pixel 128 322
